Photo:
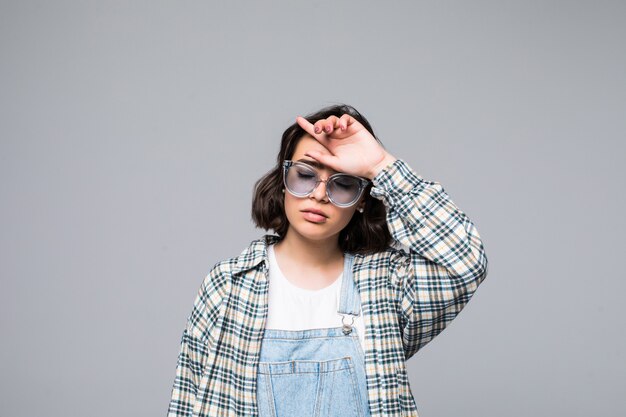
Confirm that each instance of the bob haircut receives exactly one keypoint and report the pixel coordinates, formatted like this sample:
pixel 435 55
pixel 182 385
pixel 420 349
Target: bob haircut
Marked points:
pixel 366 232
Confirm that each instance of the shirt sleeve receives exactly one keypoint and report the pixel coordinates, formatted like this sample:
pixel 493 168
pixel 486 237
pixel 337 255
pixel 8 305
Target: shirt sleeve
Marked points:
pixel 194 346
pixel 446 260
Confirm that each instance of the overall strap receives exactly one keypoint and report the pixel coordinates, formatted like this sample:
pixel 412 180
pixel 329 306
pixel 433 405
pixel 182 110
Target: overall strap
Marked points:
pixel 349 301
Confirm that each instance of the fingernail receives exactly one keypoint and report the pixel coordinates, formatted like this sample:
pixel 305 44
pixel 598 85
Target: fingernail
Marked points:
pixel 317 129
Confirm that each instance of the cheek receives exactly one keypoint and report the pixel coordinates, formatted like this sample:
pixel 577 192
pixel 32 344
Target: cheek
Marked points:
pixel 346 217
pixel 288 202
pixel 291 205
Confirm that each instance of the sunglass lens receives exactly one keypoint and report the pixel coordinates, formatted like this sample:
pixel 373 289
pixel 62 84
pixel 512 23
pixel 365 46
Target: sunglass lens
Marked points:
pixel 300 180
pixel 344 189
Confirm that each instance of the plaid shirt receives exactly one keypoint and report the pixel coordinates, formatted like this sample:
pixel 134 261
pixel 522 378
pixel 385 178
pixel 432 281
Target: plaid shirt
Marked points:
pixel 407 297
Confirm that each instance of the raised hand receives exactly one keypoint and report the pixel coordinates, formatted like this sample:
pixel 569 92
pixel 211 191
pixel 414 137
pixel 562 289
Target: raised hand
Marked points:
pixel 351 148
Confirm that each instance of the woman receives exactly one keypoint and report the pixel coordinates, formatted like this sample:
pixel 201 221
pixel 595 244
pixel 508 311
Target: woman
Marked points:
pixel 320 318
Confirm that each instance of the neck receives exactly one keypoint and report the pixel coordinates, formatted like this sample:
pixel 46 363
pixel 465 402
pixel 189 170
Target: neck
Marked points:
pixel 309 252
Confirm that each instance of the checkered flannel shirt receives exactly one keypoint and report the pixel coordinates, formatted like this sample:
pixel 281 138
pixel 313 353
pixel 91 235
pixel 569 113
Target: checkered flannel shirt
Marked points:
pixel 409 294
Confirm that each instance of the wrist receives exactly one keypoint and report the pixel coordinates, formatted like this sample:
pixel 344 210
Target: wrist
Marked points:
pixel 386 161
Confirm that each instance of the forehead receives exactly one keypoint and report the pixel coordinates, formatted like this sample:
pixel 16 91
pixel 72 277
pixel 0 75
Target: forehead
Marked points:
pixel 308 143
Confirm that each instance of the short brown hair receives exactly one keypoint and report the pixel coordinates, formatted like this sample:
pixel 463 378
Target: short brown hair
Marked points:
pixel 366 232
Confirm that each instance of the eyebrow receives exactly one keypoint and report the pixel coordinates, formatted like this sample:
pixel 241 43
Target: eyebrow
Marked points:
pixel 316 164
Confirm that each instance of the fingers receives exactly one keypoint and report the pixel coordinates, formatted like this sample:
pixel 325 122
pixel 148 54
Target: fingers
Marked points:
pixel 306 125
pixel 345 121
pixel 326 125
pixel 323 127
pixel 310 129
pixel 331 123
pixel 327 159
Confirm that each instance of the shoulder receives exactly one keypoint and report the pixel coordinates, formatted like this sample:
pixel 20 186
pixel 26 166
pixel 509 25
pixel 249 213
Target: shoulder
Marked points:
pixel 222 272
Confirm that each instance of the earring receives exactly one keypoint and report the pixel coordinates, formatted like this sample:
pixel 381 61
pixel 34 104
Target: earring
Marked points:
pixel 361 209
pixel 283 190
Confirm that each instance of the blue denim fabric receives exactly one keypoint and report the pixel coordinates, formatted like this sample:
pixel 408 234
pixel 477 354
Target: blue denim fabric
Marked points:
pixel 315 372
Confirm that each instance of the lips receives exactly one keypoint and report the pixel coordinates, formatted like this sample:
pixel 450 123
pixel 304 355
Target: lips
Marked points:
pixel 320 212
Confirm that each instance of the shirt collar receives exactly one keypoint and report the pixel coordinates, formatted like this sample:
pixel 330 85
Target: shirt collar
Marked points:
pixel 255 253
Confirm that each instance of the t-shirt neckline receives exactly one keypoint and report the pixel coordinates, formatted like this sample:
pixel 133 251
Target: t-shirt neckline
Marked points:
pixel 294 287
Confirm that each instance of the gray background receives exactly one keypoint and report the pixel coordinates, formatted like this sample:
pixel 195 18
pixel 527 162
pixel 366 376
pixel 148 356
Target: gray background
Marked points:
pixel 132 133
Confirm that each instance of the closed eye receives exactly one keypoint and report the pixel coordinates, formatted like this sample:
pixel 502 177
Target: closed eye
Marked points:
pixel 346 183
pixel 305 175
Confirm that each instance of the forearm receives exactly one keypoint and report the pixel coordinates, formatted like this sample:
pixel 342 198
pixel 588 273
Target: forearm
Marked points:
pixel 421 216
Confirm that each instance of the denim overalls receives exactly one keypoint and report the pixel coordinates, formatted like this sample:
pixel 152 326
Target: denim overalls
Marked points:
pixel 315 372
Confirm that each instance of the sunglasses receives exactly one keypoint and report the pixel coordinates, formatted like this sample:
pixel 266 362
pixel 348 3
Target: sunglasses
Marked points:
pixel 343 190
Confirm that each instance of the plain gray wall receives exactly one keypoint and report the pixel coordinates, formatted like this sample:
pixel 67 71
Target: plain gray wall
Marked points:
pixel 132 134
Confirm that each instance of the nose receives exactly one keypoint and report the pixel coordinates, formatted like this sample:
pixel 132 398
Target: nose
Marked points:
pixel 319 193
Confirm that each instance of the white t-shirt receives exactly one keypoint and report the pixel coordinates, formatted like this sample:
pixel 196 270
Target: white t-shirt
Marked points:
pixel 295 308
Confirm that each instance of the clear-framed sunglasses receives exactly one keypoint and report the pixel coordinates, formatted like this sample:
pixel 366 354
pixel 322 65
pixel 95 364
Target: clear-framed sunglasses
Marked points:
pixel 343 190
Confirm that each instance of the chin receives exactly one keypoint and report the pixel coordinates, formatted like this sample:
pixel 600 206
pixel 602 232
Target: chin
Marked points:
pixel 314 231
